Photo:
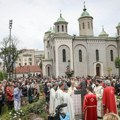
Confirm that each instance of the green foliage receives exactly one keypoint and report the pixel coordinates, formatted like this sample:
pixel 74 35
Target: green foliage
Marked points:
pixel 9 53
pixel 117 62
pixel 37 108
pixel 3 75
pixel 16 115
pixel 69 73
pixel 41 88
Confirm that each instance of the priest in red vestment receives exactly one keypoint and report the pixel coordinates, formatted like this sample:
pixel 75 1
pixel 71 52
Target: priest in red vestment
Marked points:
pixel 90 105
pixel 108 99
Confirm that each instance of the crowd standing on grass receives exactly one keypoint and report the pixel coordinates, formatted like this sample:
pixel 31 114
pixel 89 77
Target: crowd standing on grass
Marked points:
pixel 15 93
pixel 97 94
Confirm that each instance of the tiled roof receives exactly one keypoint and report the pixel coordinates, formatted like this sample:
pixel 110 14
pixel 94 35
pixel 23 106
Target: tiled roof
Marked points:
pixel 27 69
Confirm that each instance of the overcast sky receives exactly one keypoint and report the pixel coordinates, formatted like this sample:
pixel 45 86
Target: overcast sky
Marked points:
pixel 32 18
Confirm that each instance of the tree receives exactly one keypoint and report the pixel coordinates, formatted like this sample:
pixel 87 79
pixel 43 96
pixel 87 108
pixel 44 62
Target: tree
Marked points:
pixel 117 64
pixel 9 53
pixel 3 75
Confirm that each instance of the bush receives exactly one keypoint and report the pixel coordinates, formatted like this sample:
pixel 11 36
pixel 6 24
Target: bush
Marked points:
pixel 37 108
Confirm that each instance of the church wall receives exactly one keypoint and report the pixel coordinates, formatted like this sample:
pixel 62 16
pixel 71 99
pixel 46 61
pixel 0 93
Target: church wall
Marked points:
pixel 63 65
pixel 94 45
pixel 111 64
pixel 60 44
pixel 80 67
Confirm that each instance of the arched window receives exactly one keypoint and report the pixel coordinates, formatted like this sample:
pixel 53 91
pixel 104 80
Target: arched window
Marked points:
pixel 97 55
pixel 66 28
pixel 62 28
pixel 91 25
pixel 83 25
pixel 111 55
pixel 58 28
pixel 118 31
pixel 48 71
pixel 88 25
pixel 64 55
pixel 80 55
pixel 80 26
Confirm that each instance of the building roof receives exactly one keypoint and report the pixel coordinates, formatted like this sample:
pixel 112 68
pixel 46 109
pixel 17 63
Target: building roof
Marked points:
pixel 61 20
pixel 103 33
pixel 27 69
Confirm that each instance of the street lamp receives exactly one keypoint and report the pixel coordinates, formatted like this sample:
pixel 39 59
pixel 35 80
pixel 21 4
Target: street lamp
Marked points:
pixel 10 28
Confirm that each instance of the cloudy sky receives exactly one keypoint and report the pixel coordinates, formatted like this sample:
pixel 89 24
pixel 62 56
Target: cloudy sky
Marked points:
pixel 32 18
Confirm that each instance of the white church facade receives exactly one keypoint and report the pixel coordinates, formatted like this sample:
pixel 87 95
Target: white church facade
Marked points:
pixel 86 54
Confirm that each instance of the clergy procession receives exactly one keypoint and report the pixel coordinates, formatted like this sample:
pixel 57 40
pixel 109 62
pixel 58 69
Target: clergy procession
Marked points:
pixel 89 98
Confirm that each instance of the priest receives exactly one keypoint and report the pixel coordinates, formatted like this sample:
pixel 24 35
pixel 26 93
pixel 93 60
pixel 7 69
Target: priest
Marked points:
pixel 52 99
pixel 90 105
pixel 68 99
pixel 108 100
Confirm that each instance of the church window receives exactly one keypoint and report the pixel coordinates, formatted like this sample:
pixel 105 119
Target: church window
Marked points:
pixel 25 63
pixel 80 55
pixel 91 25
pixel 48 54
pixel 80 26
pixel 62 28
pixel 48 71
pixel 58 28
pixel 83 25
pixel 88 25
pixel 64 55
pixel 97 55
pixel 111 55
pixel 118 31
pixel 66 28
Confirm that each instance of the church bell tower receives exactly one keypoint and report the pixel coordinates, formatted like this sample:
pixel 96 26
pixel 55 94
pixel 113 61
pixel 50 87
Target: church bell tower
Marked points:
pixel 85 23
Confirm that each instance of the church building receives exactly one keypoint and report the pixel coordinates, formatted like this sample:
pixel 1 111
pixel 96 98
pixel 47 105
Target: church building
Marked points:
pixel 85 54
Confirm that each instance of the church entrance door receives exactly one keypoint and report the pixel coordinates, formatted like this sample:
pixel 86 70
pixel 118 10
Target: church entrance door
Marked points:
pixel 98 69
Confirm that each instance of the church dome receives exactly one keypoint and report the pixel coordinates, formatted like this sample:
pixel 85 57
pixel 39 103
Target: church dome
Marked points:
pixel 61 19
pixel 103 33
pixel 85 13
pixel 51 30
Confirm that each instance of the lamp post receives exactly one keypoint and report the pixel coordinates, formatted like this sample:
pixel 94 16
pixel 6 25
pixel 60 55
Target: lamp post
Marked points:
pixel 10 45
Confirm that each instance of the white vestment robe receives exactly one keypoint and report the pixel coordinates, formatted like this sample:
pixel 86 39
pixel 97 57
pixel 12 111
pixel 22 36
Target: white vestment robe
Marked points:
pixel 99 93
pixel 58 97
pixel 69 108
pixel 52 101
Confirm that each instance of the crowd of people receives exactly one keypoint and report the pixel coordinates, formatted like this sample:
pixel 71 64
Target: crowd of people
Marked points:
pixel 14 93
pixel 91 97
pixel 97 96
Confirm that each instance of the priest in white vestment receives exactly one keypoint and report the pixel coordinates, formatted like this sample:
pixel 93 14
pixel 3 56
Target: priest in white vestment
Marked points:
pixel 52 100
pixel 72 88
pixel 70 107
pixel 59 95
pixel 99 93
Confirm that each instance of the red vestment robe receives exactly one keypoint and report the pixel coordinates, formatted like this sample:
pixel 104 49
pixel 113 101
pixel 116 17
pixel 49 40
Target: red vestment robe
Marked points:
pixel 108 100
pixel 90 107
